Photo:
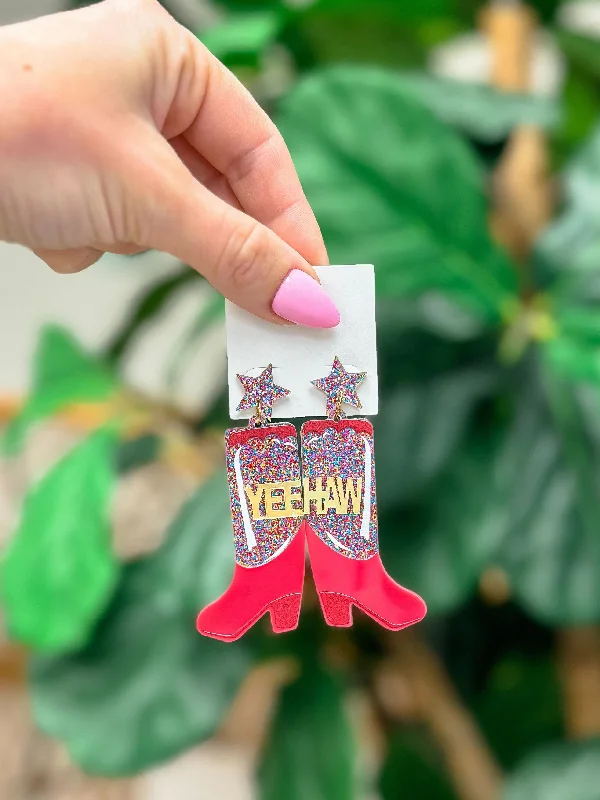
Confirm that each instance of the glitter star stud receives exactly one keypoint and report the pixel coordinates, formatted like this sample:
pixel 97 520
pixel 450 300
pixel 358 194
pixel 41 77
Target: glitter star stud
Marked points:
pixel 261 393
pixel 340 387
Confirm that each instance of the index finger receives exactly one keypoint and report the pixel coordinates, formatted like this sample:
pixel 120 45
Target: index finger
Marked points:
pixel 234 133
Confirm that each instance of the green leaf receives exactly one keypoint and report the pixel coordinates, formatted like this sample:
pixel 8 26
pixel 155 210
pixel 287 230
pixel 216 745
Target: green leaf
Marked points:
pixel 480 111
pixel 419 427
pixel 573 358
pixel 574 352
pixel 149 304
pixel 137 452
pixel 410 350
pixel 528 503
pixel 544 503
pixel 59 572
pixel 393 186
pixel 310 752
pixel 213 308
pixel 147 686
pixel 580 323
pixel 243 6
pixel 566 262
pixel 359 33
pixel 63 373
pixel 565 771
pixel 432 315
pixel 580 108
pixel 583 51
pixel 438 547
pixel 520 688
pixel 404 11
pixel 524 499
pixel 568 252
pixel 383 32
pixel 412 770
pixel 243 36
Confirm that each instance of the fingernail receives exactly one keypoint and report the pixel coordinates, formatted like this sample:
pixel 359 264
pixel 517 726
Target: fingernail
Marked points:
pixel 302 300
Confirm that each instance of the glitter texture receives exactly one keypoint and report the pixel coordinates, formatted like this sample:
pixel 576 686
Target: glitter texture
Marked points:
pixel 343 449
pixel 261 392
pixel 255 456
pixel 340 387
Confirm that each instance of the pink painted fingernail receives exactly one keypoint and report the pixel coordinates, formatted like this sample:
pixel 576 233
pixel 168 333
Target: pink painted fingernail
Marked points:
pixel 302 300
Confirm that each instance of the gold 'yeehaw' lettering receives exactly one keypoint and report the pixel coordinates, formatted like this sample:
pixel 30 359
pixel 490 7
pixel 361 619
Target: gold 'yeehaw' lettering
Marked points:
pixel 313 495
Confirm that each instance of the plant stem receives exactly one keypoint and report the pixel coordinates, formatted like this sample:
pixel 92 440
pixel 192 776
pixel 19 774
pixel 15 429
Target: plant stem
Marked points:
pixel 471 765
pixel 510 28
pixel 522 192
pixel 13 663
pixel 579 665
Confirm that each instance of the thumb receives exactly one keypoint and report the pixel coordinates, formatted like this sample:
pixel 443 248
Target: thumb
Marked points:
pixel 243 259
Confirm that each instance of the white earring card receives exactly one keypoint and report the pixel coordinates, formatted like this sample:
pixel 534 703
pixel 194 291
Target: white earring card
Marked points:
pixel 300 355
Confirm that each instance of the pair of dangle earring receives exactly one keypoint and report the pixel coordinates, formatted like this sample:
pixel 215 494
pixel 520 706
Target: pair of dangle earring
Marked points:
pixel 285 498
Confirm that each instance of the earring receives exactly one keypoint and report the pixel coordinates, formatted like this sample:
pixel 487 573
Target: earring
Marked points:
pixel 263 472
pixel 338 464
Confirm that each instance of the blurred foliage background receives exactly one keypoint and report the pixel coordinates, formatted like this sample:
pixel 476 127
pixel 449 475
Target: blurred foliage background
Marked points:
pixel 455 145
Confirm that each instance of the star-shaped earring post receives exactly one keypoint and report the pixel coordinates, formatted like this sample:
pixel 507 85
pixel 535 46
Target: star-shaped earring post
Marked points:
pixel 340 387
pixel 261 393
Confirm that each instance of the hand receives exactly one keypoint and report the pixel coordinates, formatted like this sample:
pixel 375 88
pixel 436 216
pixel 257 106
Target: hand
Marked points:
pixel 120 132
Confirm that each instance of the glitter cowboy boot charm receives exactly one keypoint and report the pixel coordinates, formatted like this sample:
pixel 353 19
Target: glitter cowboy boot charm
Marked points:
pixel 338 466
pixel 263 471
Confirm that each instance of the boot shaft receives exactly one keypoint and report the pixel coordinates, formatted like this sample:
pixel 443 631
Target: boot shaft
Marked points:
pixel 338 469
pixel 263 471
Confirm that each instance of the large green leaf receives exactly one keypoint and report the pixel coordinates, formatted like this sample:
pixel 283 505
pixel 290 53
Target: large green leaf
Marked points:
pixel 566 771
pixel 148 686
pixel 546 485
pixel 438 547
pixel 310 752
pixel 434 314
pixel 568 252
pixel 59 572
pixel 566 259
pixel 63 373
pixel 410 349
pixel 480 111
pixel 419 427
pixel 393 186
pixel 430 387
pixel 525 500
pixel 527 503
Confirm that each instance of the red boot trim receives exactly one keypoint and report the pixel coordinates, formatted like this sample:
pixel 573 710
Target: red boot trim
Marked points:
pixel 236 436
pixel 320 425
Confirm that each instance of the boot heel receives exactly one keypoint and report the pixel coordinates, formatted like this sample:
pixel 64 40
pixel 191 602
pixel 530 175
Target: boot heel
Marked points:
pixel 285 613
pixel 337 609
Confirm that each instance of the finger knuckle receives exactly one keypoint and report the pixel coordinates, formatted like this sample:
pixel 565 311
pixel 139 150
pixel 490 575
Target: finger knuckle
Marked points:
pixel 244 255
